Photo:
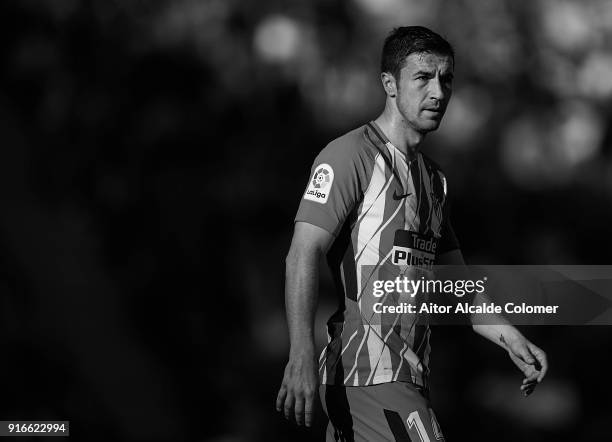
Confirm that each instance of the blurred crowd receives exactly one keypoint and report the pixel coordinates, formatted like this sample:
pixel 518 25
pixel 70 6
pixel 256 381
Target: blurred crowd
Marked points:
pixel 153 157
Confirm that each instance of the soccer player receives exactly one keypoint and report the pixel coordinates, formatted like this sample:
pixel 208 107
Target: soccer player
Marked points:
pixel 371 194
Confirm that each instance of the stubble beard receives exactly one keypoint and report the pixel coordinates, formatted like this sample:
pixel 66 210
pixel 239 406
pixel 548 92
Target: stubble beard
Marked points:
pixel 414 124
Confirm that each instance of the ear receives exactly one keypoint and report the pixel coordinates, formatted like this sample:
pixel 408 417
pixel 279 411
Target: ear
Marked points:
pixel 389 84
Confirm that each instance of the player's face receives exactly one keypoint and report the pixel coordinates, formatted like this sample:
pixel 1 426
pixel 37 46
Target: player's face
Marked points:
pixel 424 90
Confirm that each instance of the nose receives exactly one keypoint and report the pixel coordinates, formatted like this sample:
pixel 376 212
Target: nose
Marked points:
pixel 436 91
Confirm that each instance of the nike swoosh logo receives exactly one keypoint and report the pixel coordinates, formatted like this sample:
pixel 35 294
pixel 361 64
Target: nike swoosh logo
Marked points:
pixel 397 197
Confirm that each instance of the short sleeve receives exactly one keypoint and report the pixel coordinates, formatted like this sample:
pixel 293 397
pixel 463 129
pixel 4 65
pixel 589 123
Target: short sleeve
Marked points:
pixel 448 239
pixel 334 187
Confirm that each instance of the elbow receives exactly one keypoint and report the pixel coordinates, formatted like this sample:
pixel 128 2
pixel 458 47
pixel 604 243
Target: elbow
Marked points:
pixel 478 328
pixel 474 324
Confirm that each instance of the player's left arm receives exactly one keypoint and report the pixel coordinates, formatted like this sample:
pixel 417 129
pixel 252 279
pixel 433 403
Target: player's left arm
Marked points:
pixel 529 358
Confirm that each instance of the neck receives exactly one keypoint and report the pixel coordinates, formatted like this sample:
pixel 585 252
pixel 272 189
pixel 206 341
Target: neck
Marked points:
pixel 399 132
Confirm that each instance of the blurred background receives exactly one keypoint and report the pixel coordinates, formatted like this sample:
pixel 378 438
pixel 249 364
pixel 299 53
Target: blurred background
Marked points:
pixel 153 157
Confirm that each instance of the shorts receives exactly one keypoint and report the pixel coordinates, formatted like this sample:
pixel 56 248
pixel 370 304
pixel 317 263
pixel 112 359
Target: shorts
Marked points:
pixel 393 411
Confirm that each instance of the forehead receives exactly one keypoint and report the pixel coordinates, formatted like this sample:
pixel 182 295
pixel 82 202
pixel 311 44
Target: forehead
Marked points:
pixel 428 62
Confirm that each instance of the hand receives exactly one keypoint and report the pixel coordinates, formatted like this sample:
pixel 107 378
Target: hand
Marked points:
pixel 298 389
pixel 530 359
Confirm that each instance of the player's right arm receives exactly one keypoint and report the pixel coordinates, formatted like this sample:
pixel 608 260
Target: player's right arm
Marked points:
pixel 300 381
pixel 337 177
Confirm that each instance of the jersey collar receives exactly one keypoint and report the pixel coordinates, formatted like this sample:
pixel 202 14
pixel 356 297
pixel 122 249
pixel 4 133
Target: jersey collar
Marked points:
pixel 380 135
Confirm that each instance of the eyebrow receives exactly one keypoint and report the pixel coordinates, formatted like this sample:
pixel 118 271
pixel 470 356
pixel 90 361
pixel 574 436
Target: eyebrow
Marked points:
pixel 448 75
pixel 421 72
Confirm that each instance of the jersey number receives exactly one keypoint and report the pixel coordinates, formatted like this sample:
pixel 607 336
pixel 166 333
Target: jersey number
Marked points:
pixel 414 421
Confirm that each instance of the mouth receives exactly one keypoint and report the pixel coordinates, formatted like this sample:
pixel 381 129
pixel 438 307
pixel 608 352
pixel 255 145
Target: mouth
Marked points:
pixel 435 112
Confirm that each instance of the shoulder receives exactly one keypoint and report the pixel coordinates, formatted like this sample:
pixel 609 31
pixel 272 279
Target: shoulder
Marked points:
pixel 350 147
pixel 433 167
pixel 431 164
pixel 437 175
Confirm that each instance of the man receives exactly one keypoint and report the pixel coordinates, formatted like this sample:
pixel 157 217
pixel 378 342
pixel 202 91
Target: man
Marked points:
pixel 371 194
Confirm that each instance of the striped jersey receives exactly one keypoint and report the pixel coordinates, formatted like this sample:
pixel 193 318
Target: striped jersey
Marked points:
pixel 386 213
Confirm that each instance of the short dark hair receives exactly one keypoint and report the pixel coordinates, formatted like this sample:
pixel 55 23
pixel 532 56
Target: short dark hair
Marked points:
pixel 406 40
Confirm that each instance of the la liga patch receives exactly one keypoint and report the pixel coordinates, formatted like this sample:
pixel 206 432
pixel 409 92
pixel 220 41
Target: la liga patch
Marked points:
pixel 320 184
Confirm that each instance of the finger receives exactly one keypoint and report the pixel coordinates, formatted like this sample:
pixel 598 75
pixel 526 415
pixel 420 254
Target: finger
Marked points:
pixel 531 385
pixel 530 372
pixel 289 405
pixel 280 398
pixel 528 391
pixel 541 357
pixel 299 410
pixel 531 376
pixel 528 387
pixel 308 410
pixel 524 354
